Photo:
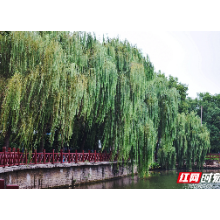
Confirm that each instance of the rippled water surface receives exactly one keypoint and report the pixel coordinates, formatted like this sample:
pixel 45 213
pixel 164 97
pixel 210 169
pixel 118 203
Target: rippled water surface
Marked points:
pixel 156 180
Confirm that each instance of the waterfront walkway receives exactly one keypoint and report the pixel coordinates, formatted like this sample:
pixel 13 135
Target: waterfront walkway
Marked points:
pixel 16 158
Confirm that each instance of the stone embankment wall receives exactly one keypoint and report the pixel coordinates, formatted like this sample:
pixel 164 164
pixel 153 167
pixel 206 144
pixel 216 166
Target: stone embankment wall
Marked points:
pixel 60 175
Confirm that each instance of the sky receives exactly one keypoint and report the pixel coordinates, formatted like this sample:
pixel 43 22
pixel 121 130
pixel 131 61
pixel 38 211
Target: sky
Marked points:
pixel 192 57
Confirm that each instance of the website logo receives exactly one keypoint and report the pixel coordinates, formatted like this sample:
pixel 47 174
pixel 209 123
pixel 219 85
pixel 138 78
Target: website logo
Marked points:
pixel 189 177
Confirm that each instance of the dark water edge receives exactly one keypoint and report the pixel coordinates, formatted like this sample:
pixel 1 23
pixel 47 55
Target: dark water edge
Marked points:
pixel 163 179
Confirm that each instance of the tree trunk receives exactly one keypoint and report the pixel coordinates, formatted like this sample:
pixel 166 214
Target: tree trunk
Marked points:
pixel 132 161
pixel 84 141
pixel 56 143
pixel 7 138
pixel 157 147
pixel 41 144
pixel 43 137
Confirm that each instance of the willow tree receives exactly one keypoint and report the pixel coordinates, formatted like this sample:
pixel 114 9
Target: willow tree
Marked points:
pixel 180 142
pixel 81 90
pixel 36 92
pixel 163 104
pixel 198 141
pixel 192 141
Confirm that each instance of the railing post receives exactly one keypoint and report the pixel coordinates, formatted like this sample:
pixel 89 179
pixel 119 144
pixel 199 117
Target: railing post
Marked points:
pixel 89 155
pixel 44 156
pixel 61 155
pixel 4 150
pixel 18 156
pixel 53 157
pixel 25 156
pixel 6 156
pixel 13 156
pixel 9 156
pixel 83 156
pixel 35 158
pixel 69 156
pixel 76 157
pixel 95 156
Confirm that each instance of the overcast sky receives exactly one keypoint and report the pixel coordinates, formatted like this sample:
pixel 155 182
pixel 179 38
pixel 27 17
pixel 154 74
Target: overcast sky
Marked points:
pixel 193 57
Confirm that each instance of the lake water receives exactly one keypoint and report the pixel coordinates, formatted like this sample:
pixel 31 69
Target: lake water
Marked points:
pixel 156 180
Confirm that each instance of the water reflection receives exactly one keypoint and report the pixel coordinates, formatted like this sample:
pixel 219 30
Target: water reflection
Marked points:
pixel 156 180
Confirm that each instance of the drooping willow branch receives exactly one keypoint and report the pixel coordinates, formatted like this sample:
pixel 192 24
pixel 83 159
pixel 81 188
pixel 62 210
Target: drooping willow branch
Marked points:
pixel 79 89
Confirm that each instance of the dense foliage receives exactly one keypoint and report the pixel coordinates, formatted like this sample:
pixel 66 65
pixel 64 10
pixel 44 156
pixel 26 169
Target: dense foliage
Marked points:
pixel 62 89
pixel 210 116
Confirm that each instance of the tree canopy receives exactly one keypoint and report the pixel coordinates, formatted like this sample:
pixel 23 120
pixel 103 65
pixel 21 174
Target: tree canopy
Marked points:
pixel 69 89
pixel 210 115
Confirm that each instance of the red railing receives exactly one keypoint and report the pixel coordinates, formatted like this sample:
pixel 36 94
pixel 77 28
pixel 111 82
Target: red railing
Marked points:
pixel 16 158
